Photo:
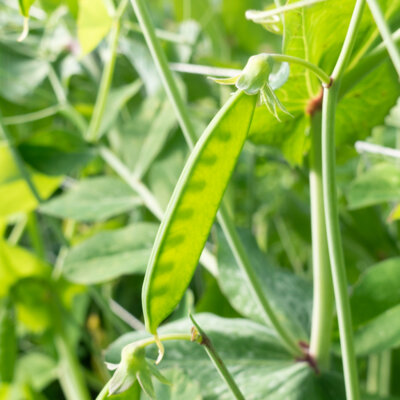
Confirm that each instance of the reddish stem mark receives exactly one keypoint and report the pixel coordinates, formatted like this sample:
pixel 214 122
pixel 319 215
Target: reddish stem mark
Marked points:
pixel 308 358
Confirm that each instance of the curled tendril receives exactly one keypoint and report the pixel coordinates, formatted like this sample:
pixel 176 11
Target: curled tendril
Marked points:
pixel 254 79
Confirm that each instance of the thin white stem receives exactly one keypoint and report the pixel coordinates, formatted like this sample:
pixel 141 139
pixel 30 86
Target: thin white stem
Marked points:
pixel 265 16
pixel 126 316
pixel 204 70
pixel 365 147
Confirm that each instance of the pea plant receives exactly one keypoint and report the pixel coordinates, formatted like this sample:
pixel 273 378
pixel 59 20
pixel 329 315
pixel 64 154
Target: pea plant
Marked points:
pixel 199 200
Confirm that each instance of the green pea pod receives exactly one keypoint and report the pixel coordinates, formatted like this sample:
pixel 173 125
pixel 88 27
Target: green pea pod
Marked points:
pixel 8 343
pixel 192 209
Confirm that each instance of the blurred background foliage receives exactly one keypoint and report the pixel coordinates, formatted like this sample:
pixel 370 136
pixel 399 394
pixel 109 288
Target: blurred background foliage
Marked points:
pixel 73 255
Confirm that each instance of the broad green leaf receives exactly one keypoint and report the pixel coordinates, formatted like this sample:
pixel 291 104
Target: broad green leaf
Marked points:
pixel 56 152
pixel 194 203
pixel 8 342
pixel 93 24
pixel 320 43
pixel 380 184
pixel 17 263
pixel 93 199
pixel 260 366
pixel 109 255
pixel 37 369
pixel 379 334
pixel 15 194
pixel 24 6
pixel 289 295
pixel 180 387
pixel 19 75
pixel 376 291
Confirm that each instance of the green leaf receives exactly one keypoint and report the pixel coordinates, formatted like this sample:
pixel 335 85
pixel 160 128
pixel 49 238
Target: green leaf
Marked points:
pixel 109 255
pixel 379 184
pixel 180 388
pixel 15 194
pixel 379 334
pixel 17 263
pixel 94 199
pixel 289 295
pixel 56 152
pixel 378 288
pixel 93 24
pixel 20 75
pixel 194 204
pixel 262 370
pixel 116 100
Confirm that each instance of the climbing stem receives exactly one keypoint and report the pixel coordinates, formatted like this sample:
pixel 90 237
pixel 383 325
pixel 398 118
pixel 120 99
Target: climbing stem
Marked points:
pixel 189 132
pixel 385 33
pixel 331 212
pixel 320 74
pixel 219 365
pixel 70 375
pixel 323 304
pixel 106 78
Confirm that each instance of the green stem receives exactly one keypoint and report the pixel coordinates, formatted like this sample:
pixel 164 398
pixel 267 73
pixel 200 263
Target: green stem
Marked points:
pixel 35 235
pixel 34 116
pixel 70 375
pixel 320 74
pixel 105 84
pixel 219 365
pixel 331 213
pixel 189 132
pixel 254 282
pixel 385 33
pixel 323 304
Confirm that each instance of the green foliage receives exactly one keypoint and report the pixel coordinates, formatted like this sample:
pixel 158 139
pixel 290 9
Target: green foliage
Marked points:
pixel 79 219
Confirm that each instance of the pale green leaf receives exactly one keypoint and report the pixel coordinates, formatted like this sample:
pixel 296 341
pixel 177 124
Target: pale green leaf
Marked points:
pixel 109 255
pixel 380 184
pixel 93 199
pixel 94 23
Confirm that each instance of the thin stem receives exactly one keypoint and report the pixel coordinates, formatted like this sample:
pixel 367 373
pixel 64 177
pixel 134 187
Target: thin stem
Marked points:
pixel 203 69
pixel 70 376
pixel 189 132
pixel 219 365
pixel 349 41
pixel 18 230
pixel 161 34
pixel 105 84
pixel 35 235
pixel 320 73
pixel 254 282
pixel 30 117
pixel 331 212
pixel 126 316
pixel 260 17
pixel 385 33
pixel 323 304
pixel 371 148
pixel 148 198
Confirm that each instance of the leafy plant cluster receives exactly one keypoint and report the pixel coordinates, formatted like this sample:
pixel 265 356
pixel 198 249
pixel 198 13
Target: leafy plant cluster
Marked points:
pixel 166 236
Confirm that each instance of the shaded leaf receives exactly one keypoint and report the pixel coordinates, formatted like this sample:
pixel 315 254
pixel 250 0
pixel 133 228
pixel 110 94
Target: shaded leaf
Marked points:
pixel 109 255
pixel 94 199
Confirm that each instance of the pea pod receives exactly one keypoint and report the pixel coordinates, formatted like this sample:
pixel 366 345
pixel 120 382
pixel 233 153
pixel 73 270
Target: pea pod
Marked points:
pixel 8 343
pixel 192 208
